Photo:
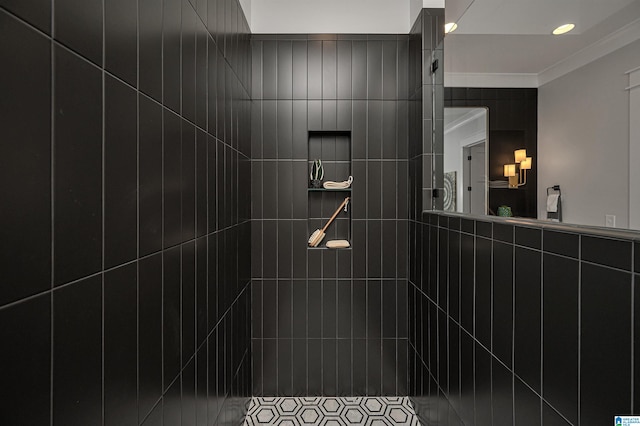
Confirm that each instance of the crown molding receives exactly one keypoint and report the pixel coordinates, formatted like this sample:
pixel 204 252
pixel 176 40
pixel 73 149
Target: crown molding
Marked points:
pixel 614 41
pixel 457 79
pixel 471 116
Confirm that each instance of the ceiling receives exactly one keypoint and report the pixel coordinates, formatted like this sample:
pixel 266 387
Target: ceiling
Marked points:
pixel 514 36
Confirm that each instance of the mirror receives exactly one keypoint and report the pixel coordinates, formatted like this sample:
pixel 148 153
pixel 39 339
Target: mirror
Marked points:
pixel 572 101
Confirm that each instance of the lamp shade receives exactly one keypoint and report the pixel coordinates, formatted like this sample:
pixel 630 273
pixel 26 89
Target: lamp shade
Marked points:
pixel 509 170
pixel 526 163
pixel 520 155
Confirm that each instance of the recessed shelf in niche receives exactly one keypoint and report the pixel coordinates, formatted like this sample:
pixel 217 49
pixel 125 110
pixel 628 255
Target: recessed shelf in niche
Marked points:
pixel 329 190
pixel 323 247
pixel 333 147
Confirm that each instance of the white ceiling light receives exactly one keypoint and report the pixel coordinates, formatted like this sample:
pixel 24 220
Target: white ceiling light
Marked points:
pixel 450 27
pixel 563 29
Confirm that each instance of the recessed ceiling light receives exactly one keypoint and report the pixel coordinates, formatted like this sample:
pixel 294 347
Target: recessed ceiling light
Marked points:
pixel 450 27
pixel 563 29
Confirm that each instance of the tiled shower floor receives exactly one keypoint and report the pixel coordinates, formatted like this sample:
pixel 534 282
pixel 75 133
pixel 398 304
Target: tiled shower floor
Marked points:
pixel 365 411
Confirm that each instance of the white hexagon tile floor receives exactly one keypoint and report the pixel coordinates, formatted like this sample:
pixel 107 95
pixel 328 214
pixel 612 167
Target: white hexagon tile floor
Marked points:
pixel 343 411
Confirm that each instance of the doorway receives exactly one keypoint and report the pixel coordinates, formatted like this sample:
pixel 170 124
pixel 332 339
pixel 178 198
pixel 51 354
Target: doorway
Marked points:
pixel 475 177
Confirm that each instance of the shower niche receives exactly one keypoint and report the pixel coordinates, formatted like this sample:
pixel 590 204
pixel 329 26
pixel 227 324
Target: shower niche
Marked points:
pixel 333 147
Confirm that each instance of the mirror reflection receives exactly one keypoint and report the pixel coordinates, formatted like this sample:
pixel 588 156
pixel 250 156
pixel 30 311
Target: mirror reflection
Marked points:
pixel 465 160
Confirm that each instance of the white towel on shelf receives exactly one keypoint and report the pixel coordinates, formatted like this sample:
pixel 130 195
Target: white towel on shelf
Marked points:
pixel 552 203
pixel 338 185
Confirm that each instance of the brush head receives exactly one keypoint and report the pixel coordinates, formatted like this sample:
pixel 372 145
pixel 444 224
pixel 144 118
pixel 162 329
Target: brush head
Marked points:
pixel 316 238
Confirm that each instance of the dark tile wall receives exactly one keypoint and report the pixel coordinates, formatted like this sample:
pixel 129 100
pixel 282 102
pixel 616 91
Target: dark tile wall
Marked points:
pixel 513 124
pixel 514 322
pixel 124 249
pixel 330 322
pixel 426 123
pixel 425 154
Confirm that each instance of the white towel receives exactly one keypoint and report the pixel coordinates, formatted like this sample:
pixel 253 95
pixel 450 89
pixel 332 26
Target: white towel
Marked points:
pixel 338 185
pixel 552 203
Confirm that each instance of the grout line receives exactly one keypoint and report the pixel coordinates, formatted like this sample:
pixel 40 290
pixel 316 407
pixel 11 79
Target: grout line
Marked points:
pixel 103 199
pixel 633 366
pixel 541 332
pixel 513 333
pixel 137 211
pixel 579 328
pixel 52 206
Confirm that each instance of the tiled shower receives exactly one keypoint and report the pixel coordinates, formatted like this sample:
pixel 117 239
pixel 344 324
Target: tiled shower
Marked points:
pixel 154 222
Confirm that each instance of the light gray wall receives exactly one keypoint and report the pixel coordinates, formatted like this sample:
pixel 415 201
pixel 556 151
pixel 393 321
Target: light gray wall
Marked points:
pixel 583 139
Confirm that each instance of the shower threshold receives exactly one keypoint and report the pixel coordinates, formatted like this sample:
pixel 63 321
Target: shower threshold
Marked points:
pixel 331 411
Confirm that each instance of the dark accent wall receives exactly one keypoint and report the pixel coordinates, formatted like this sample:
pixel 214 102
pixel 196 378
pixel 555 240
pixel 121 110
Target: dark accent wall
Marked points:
pixel 125 237
pixel 329 322
pixel 513 124
pixel 514 322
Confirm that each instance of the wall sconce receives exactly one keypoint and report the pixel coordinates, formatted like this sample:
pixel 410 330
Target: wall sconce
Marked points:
pixel 517 172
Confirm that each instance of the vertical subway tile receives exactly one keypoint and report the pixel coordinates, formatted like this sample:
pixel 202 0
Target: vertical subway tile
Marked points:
pixel 527 316
pixel 120 346
pixel 120 174
pixel 150 47
pixel 502 302
pixel 79 26
pixel 285 371
pixel 526 404
pixel 285 308
pixel 374 366
pixel 78 168
pixel 171 30
pixel 299 366
pixel 374 129
pixel 188 180
pixel 314 69
pixel 389 69
pixel 329 309
pixel 26 366
pixel 359 70
pixel 171 404
pixel 360 366
pixel 374 70
pixel 344 65
pixel 605 317
pixel 37 13
pixel 150 176
pixel 314 367
pixel 201 75
pixel 285 129
pixel 171 179
pixel 299 69
pixel 121 39
pixel 560 334
pixel 483 294
pixel 188 301
pixel 483 395
pixel 171 315
pixel 562 243
pixel 284 69
pixel 201 184
pixel 329 69
pixel 605 251
pixel 77 349
pixel 25 164
pixel 150 333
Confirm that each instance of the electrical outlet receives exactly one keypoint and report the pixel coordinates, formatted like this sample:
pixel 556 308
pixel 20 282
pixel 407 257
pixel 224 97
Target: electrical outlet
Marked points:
pixel 610 221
